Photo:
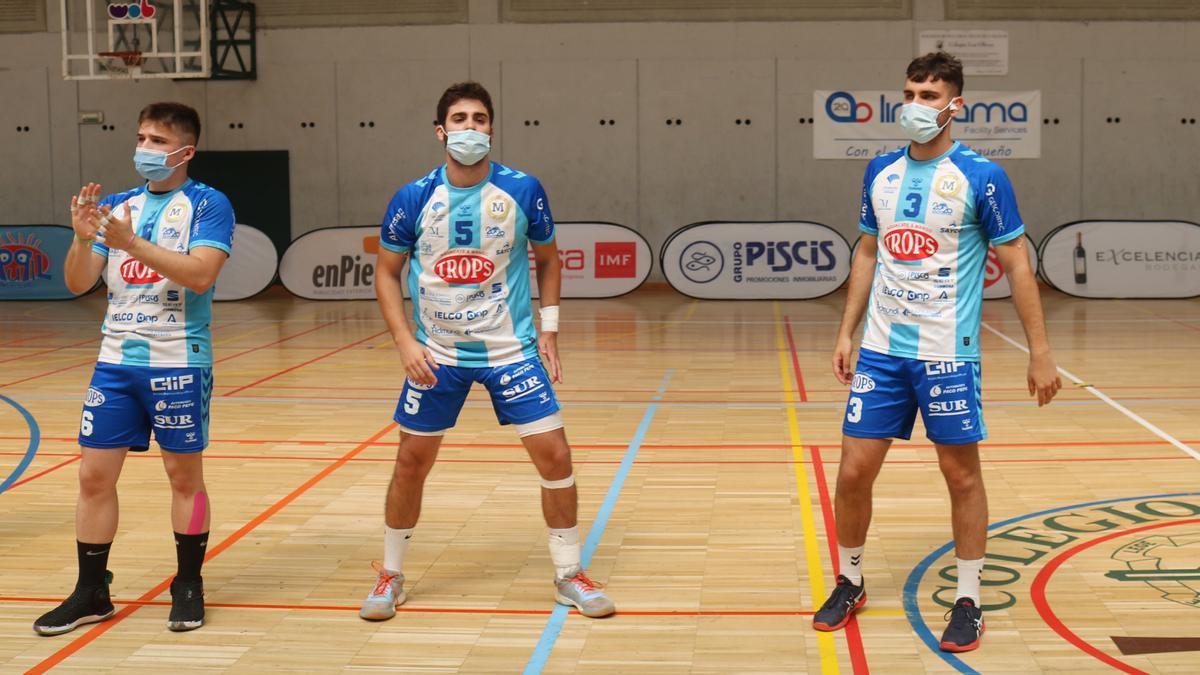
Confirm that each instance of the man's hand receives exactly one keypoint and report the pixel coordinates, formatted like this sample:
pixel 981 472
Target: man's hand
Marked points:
pixel 85 219
pixel 1043 378
pixel 418 362
pixel 118 230
pixel 842 368
pixel 548 347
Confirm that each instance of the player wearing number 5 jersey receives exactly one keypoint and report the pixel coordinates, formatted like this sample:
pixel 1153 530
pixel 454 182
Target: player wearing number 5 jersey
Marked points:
pixel 160 246
pixel 464 231
pixel 929 212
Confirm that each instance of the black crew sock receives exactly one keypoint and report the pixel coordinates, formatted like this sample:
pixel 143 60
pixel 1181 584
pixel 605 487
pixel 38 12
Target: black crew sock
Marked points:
pixel 93 563
pixel 189 551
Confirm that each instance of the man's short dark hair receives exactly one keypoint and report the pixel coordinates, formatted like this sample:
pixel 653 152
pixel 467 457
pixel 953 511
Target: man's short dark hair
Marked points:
pixel 179 117
pixel 460 91
pixel 937 66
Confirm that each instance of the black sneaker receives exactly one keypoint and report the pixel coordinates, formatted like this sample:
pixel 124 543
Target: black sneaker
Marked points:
pixel 841 605
pixel 966 627
pixel 87 604
pixel 187 605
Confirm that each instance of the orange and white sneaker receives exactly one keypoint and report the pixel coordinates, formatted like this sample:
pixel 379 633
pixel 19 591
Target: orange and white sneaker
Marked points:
pixel 385 597
pixel 584 594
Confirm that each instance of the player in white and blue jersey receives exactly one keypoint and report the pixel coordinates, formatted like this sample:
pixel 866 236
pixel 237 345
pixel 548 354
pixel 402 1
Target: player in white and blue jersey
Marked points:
pixel 160 247
pixel 464 231
pixel 929 212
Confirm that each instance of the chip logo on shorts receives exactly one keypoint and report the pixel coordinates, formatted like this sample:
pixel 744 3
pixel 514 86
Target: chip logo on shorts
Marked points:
pixel 862 384
pixel 94 398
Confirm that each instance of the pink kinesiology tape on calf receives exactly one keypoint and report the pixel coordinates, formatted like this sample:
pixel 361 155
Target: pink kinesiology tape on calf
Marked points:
pixel 199 512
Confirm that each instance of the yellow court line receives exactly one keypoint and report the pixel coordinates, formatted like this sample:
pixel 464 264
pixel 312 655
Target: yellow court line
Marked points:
pixel 816 575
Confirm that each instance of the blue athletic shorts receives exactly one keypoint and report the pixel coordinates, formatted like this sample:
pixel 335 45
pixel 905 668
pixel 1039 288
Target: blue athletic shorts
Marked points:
pixel 888 390
pixel 124 403
pixel 521 393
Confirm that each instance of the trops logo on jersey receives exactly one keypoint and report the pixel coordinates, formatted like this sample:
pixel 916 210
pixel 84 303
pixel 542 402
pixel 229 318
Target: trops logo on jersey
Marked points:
pixel 135 273
pixel 464 268
pixel 907 243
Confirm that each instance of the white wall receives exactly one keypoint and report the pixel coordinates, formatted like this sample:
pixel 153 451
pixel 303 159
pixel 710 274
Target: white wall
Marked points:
pixel 639 172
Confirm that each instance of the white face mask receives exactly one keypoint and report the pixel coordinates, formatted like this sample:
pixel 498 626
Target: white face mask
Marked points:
pixel 919 122
pixel 468 146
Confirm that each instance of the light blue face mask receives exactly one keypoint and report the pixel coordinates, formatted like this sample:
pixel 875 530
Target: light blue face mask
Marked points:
pixel 468 146
pixel 919 122
pixel 152 164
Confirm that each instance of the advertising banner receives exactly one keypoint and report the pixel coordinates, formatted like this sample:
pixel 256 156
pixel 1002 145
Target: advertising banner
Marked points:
pixel 31 262
pixel 863 124
pixel 250 268
pixel 1123 259
pixel 599 260
pixel 790 260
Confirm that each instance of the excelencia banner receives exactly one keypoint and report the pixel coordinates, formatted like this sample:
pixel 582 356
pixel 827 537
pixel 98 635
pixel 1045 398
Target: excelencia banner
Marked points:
pixel 1124 259
pixel 599 260
pixel 863 124
pixel 31 262
pixel 792 260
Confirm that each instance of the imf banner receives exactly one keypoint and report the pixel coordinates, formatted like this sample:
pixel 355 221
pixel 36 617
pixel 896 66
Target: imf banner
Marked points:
pixel 31 262
pixel 864 124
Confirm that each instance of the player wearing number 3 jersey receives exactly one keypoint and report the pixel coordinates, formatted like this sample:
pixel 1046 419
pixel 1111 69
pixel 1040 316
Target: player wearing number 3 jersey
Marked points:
pixel 929 212
pixel 464 231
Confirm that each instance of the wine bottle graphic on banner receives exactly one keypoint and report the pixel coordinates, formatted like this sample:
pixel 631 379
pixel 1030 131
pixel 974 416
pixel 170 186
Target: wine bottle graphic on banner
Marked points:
pixel 1080 260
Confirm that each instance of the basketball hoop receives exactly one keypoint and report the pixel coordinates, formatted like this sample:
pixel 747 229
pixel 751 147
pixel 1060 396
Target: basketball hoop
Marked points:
pixel 123 62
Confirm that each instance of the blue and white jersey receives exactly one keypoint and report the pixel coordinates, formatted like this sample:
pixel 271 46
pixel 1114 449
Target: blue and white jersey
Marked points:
pixel 468 272
pixel 151 320
pixel 934 220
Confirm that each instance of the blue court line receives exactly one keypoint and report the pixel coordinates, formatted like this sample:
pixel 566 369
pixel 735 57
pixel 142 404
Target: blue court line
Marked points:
pixel 554 625
pixel 913 613
pixel 35 437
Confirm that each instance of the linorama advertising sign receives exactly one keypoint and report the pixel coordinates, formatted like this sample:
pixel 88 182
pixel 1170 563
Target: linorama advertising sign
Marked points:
pixel 31 262
pixel 1123 259
pixel 863 124
pixel 790 260
pixel 599 260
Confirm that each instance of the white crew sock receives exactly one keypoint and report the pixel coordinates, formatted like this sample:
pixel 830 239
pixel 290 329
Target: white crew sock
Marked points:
pixel 395 545
pixel 969 574
pixel 850 563
pixel 565 551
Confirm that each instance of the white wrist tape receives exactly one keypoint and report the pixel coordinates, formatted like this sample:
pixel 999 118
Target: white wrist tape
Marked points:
pixel 549 317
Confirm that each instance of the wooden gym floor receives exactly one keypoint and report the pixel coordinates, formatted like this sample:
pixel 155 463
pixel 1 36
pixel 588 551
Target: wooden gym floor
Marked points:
pixel 706 439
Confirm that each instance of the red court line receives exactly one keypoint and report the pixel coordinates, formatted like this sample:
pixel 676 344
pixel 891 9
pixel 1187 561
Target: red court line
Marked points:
pixel 271 344
pixel 47 374
pixel 47 351
pixel 301 365
pixel 101 628
pixel 431 610
pixel 1038 592
pixel 754 390
pixel 858 655
pixel 56 467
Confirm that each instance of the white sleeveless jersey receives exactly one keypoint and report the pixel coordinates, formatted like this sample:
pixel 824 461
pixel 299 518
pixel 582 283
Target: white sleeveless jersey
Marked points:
pixel 468 273
pixel 151 320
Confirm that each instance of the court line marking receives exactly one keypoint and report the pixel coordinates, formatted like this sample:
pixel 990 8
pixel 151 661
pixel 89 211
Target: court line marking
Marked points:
pixel 913 582
pixel 826 647
pixel 554 625
pixel 1037 592
pixel 1104 397
pixel 47 351
pixel 17 599
pixel 854 643
pixel 56 467
pixel 301 365
pixel 99 629
pixel 35 435
pixel 272 344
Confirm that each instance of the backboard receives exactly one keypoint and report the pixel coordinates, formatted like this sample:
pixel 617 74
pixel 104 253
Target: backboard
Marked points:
pixel 99 36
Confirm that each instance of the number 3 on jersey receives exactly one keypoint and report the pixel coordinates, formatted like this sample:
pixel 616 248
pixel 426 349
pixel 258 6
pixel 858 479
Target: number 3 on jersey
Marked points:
pixel 914 205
